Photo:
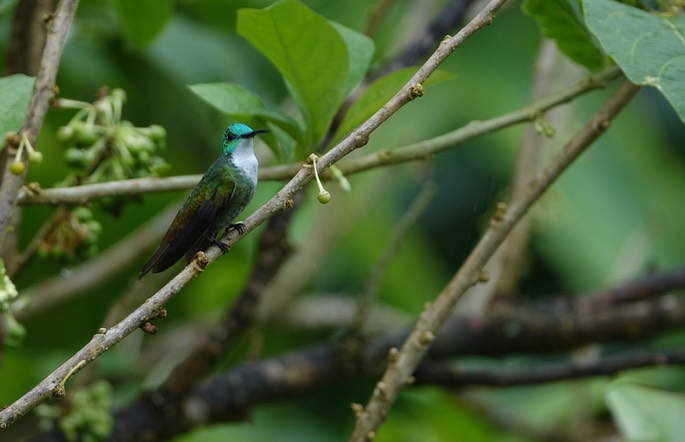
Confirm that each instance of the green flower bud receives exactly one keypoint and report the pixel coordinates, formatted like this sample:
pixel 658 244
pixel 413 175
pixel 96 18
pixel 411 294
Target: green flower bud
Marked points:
pixel 65 133
pixel 157 132
pixel 85 134
pixel 82 213
pixel 75 157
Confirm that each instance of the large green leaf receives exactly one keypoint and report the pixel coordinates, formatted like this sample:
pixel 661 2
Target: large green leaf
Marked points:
pixel 379 92
pixel 650 49
pixel 15 93
pixel 309 53
pixel 646 414
pixel 360 50
pixel 561 21
pixel 143 20
pixel 233 99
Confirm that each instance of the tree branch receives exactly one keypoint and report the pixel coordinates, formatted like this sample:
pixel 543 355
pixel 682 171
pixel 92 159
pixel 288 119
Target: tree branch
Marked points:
pixel 43 92
pixel 105 339
pixel 400 369
pixel 527 330
pixel 448 375
pixel 231 396
pixel 421 151
pixel 272 251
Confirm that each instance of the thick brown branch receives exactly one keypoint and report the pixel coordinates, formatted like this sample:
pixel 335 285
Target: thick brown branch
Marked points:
pixel 451 376
pixel 530 331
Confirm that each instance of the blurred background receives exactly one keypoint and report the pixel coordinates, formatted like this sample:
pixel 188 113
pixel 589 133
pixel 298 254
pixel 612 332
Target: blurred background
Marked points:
pixel 619 212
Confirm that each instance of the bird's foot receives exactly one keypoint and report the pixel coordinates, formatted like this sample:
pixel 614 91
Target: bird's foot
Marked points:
pixel 221 245
pixel 240 227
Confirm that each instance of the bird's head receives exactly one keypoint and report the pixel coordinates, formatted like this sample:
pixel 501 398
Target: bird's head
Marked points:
pixel 237 132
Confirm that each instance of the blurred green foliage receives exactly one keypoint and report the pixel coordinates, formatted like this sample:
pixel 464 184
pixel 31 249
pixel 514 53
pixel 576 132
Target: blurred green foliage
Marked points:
pixel 616 213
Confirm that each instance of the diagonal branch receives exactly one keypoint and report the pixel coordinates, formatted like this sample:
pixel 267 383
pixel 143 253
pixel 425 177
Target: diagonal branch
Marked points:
pixel 106 338
pixel 413 152
pixel 402 366
pixel 538 331
pixel 232 395
pixel 273 249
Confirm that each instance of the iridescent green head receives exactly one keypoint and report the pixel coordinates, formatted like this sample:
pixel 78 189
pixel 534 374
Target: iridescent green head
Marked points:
pixel 235 133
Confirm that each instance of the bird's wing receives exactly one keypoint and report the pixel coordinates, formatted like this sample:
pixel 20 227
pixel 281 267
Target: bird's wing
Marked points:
pixel 193 220
pixel 209 210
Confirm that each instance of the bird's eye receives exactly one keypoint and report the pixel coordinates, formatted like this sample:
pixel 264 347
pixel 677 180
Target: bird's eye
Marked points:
pixel 229 136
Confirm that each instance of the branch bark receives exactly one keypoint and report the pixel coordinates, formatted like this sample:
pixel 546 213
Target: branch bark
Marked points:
pixel 550 327
pixel 421 151
pixel 232 395
pixel 400 369
pixel 43 92
pixel 106 338
pixel 606 365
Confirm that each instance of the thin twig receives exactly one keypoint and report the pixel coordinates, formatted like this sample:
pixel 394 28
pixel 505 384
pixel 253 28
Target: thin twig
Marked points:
pixel 424 150
pixel 451 15
pixel 88 192
pixel 30 251
pixel 413 152
pixel 407 359
pixel 377 15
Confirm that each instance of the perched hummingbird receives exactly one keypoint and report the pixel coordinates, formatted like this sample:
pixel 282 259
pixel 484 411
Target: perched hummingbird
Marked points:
pixel 222 193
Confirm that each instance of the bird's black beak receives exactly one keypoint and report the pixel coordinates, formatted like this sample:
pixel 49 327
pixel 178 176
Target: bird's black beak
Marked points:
pixel 255 133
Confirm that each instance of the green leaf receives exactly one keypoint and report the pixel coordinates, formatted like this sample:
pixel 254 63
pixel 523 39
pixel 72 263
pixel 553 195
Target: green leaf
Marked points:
pixel 229 98
pixel 15 93
pixel 309 53
pixel 561 21
pixel 646 414
pixel 649 49
pixel 360 50
pixel 143 20
pixel 233 99
pixel 379 92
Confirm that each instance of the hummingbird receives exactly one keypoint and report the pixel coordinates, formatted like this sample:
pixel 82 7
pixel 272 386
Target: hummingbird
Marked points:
pixel 223 192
